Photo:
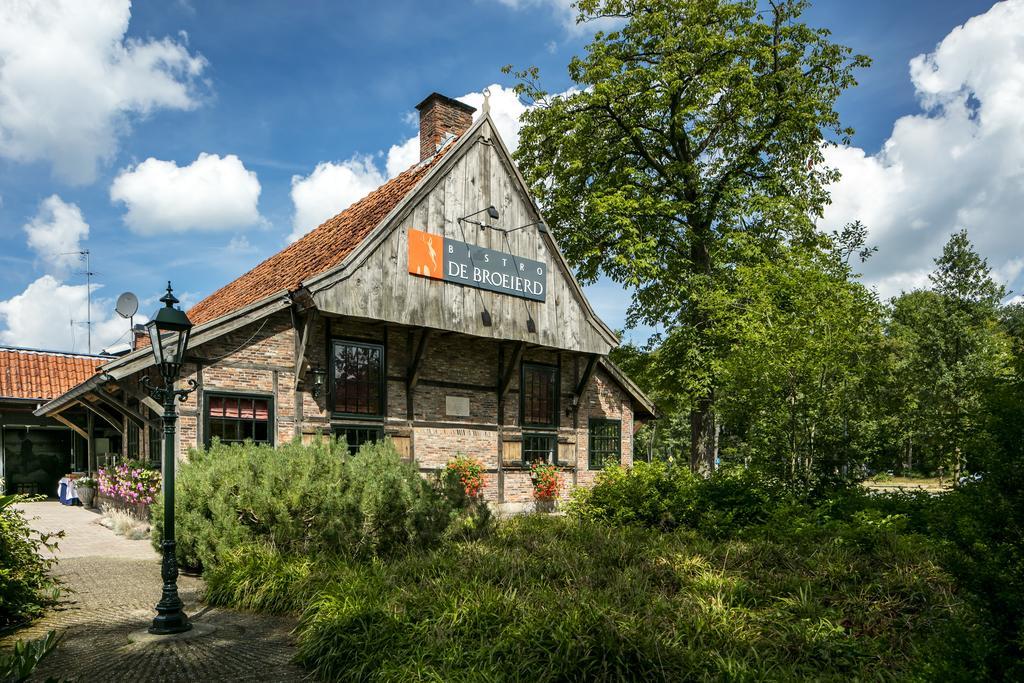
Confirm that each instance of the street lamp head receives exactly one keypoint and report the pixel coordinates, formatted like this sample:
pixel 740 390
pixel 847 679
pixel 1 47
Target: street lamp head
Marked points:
pixel 168 335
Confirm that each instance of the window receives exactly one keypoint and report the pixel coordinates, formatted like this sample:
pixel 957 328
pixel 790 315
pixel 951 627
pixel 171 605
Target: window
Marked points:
pixel 543 447
pixel 604 443
pixel 132 440
pixel 539 395
pixel 156 448
pixel 133 435
pixel 357 436
pixel 357 377
pixel 233 419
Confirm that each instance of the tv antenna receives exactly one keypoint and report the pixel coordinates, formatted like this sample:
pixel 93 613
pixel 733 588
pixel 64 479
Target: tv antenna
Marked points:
pixel 83 255
pixel 126 307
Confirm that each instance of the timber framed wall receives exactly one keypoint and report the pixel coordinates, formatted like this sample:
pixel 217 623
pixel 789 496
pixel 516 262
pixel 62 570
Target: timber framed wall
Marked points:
pixel 259 360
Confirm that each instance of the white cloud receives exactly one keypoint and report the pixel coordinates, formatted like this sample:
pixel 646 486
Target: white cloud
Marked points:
pixel 506 108
pixel 240 244
pixel 957 164
pixel 564 13
pixel 334 186
pixel 212 193
pixel 42 315
pixel 401 157
pixel 1007 272
pixel 70 81
pixel 329 189
pixel 56 233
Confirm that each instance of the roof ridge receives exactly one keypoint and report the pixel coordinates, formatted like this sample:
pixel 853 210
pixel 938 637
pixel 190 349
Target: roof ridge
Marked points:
pixel 53 352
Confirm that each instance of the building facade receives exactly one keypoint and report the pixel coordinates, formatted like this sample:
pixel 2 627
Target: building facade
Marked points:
pixel 437 311
pixel 36 451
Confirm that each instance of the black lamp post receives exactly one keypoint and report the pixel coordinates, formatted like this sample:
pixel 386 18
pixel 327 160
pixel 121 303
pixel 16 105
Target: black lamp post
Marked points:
pixel 168 335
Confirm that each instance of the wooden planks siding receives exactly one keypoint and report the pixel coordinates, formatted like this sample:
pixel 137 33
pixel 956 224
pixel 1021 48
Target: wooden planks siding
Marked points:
pixel 380 287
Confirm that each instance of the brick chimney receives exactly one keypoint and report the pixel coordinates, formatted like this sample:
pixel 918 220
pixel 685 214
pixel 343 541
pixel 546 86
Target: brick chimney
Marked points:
pixel 140 337
pixel 440 115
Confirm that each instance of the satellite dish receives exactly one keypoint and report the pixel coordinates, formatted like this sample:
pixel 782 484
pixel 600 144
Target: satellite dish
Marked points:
pixel 127 305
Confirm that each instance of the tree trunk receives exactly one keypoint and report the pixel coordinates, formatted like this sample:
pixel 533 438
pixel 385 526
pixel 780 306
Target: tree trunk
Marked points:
pixel 702 435
pixel 702 416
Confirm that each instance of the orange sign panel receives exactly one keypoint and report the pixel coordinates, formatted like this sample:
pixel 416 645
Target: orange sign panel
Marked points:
pixel 426 254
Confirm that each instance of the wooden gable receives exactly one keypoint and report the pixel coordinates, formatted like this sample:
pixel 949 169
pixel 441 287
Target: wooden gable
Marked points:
pixel 375 282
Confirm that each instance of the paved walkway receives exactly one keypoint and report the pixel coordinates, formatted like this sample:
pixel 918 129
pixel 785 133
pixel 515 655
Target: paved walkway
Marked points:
pixel 111 585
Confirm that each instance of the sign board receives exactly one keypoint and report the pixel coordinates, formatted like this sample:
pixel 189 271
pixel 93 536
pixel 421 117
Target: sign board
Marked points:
pixel 439 258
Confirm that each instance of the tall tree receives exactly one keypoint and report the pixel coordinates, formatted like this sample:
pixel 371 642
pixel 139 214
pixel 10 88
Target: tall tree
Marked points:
pixel 691 143
pixel 958 347
pixel 797 392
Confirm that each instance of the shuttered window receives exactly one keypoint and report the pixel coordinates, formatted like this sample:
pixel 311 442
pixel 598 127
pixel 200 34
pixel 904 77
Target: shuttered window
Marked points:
pixel 542 447
pixel 234 419
pixel 357 436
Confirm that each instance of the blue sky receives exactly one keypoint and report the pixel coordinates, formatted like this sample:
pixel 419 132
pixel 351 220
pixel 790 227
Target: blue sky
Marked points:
pixel 296 109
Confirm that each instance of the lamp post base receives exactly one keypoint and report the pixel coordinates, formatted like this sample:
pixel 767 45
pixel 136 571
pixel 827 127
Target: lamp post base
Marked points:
pixel 170 613
pixel 170 624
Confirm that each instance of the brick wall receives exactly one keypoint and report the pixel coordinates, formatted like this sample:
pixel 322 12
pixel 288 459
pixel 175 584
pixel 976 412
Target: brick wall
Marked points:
pixel 603 399
pixel 259 359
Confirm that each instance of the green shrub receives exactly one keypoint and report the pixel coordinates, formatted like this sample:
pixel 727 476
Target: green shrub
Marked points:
pixel 552 599
pixel 664 496
pixel 303 499
pixel 25 584
pixel 257 577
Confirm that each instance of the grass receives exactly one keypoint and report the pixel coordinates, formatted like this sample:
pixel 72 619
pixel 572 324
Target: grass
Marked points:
pixel 544 599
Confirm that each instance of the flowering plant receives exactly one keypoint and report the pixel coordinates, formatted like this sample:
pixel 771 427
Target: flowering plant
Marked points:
pixel 469 471
pixel 85 483
pixel 129 483
pixel 547 482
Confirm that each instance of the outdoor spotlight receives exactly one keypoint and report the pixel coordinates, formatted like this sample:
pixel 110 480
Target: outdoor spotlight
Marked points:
pixel 485 316
pixel 531 326
pixel 319 377
pixel 492 212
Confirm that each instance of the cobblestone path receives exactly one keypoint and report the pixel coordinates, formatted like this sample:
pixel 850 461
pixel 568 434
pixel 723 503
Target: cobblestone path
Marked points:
pixel 111 587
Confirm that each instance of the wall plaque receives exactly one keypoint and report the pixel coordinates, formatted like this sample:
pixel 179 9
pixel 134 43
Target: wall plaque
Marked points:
pixel 456 405
pixel 439 258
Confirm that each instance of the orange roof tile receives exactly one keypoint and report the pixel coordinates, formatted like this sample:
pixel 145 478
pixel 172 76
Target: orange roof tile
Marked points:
pixel 316 251
pixel 25 373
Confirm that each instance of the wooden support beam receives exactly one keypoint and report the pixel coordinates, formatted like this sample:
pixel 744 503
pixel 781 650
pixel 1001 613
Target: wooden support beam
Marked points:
pixel 91 438
pixel 111 421
pixel 413 375
pixel 145 400
pixel 68 423
pixel 513 363
pixel 117 404
pixel 301 342
pixel 588 373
